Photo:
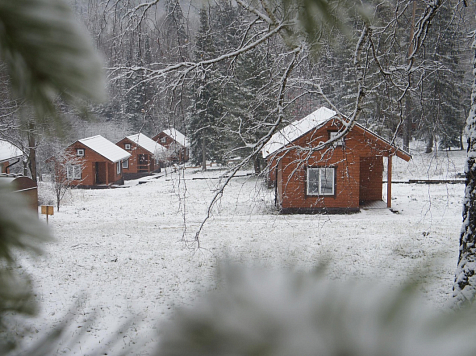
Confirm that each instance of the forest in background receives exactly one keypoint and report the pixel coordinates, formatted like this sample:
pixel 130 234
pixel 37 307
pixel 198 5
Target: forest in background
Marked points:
pixel 225 73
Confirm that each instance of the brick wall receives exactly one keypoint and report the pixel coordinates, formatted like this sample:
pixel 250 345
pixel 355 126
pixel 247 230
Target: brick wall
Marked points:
pixel 358 147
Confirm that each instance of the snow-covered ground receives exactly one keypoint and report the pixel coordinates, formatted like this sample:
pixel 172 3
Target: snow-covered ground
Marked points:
pixel 130 252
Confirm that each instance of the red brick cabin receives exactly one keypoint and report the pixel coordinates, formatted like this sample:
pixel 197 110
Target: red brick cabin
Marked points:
pixel 98 163
pixel 176 143
pixel 9 155
pixel 145 158
pixel 336 179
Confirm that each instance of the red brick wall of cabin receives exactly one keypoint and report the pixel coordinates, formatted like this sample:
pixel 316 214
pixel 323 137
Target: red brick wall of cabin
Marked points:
pixel 88 173
pixel 135 151
pixel 3 167
pixel 346 159
pixel 159 137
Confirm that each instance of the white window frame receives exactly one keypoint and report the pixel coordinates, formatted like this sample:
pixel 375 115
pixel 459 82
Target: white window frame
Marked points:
pixel 80 152
pixel 125 163
pixel 118 167
pixel 323 172
pixel 127 146
pixel 163 139
pixel 332 135
pixel 73 171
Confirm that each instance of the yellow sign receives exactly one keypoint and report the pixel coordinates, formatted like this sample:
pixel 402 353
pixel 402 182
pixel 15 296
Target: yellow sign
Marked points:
pixel 47 209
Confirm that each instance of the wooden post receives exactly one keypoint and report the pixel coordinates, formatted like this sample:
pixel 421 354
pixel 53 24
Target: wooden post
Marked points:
pixel 47 210
pixel 107 173
pixel 389 181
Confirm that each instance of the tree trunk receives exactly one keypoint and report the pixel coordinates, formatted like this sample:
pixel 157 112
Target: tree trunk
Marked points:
pixel 407 124
pixel 204 155
pixel 32 150
pixel 429 144
pixel 464 288
pixel 257 165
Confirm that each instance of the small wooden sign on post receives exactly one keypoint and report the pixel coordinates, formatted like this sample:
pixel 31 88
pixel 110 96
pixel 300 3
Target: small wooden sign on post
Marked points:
pixel 47 210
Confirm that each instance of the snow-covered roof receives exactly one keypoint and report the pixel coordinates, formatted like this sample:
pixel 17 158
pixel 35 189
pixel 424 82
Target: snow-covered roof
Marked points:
pixel 177 136
pixel 147 143
pixel 296 130
pixel 105 148
pixel 8 151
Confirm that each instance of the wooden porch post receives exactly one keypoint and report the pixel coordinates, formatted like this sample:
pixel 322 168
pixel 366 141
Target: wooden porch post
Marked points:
pixel 107 173
pixel 389 181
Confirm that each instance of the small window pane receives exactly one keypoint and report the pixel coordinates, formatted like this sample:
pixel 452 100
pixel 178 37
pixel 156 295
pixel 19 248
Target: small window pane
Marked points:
pixel 313 181
pixel 327 181
pixel 125 163
pixel 73 172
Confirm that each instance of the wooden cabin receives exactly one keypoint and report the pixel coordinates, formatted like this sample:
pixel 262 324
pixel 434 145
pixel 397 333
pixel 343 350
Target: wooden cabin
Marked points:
pixel 176 143
pixel 24 186
pixel 340 177
pixel 146 156
pixel 9 155
pixel 97 162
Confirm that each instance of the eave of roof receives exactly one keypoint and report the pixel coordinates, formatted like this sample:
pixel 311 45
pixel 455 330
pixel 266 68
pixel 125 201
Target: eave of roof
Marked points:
pixel 323 115
pixel 177 136
pixel 297 129
pixel 146 143
pixel 105 148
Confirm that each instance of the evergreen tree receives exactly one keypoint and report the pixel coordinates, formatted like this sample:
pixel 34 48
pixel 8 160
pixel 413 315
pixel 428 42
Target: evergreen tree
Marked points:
pixel 248 103
pixel 205 125
pixel 176 37
pixel 445 91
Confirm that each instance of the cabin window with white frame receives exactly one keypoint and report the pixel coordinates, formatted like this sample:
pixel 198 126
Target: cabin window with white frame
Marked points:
pixel 320 181
pixel 80 152
pixel 73 171
pixel 163 139
pixel 118 167
pixel 125 163
pixel 127 146
pixel 333 135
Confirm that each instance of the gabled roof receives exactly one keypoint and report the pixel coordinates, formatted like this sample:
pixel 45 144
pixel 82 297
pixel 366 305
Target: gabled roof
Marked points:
pixel 8 151
pixel 177 136
pixel 105 148
pixel 315 120
pixel 296 130
pixel 146 143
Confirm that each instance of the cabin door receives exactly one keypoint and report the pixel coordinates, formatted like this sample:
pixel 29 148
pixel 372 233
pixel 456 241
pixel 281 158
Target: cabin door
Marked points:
pixel 143 163
pixel 100 173
pixel 371 170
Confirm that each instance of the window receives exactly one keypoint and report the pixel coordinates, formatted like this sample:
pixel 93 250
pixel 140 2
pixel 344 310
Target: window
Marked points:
pixel 163 139
pixel 332 135
pixel 80 152
pixel 73 172
pixel 127 146
pixel 125 163
pixel 118 167
pixel 320 181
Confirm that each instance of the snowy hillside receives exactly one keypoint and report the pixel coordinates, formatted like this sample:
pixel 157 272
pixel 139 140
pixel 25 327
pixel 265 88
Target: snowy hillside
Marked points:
pixel 131 251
